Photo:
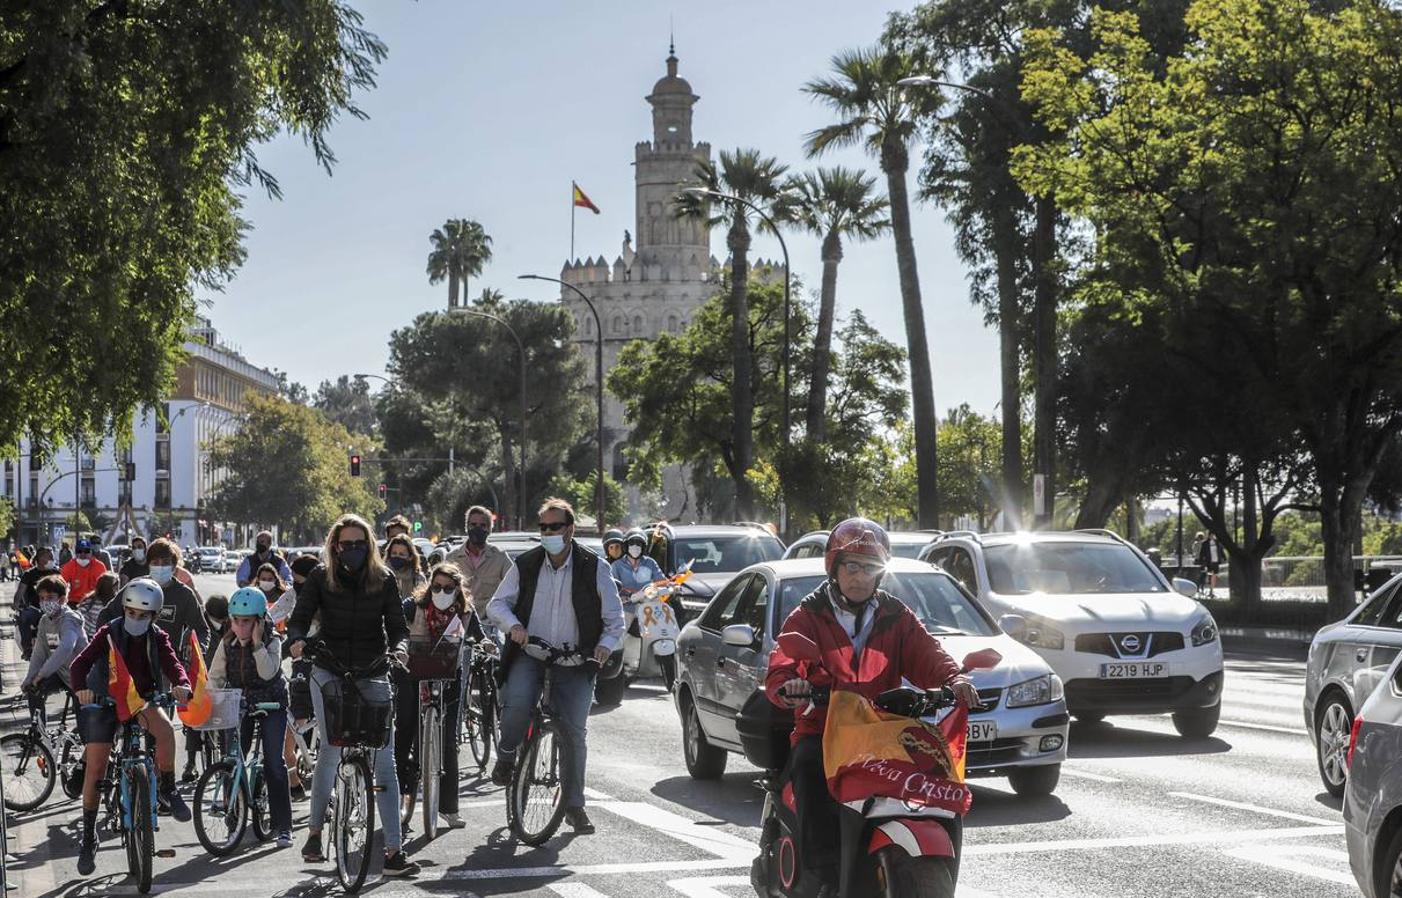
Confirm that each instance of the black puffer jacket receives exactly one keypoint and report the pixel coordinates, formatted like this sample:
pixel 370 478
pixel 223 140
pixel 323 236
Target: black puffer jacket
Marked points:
pixel 358 623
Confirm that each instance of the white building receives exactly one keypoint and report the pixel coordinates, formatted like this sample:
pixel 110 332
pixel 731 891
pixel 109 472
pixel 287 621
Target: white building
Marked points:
pixel 168 453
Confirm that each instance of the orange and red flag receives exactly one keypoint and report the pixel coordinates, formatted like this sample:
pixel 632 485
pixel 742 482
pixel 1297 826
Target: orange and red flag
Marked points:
pixel 581 200
pixel 197 710
pixel 120 685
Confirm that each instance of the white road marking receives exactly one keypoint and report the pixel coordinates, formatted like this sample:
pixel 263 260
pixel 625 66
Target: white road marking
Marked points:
pixel 707 886
pixel 1292 731
pixel 708 838
pixel 596 794
pixel 1087 775
pixel 1255 808
pixel 592 870
pixel 1275 856
pixel 1156 841
pixel 575 890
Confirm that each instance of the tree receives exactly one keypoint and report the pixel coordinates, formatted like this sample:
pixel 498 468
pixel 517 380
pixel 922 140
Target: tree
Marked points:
pixel 346 401
pixel 832 203
pixel 756 179
pixel 287 465
pixel 1246 189
pixel 126 131
pixel 876 112
pixel 581 492
pixel 970 446
pixel 460 248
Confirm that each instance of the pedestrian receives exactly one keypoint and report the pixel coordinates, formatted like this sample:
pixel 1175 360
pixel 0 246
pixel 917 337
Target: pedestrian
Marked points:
pixel 136 565
pixel 403 559
pixel 1209 559
pixel 82 571
pixel 562 593
pixel 262 554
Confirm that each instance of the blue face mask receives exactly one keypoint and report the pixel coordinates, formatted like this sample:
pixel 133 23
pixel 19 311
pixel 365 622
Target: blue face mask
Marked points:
pixel 398 563
pixel 553 543
pixel 162 573
pixel 136 627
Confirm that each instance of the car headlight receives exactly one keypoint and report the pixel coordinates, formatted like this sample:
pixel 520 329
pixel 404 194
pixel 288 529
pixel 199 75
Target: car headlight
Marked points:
pixel 1041 636
pixel 1036 691
pixel 1204 631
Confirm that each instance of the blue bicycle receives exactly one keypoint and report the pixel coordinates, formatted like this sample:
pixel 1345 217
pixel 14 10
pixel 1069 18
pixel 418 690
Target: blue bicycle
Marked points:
pixel 234 789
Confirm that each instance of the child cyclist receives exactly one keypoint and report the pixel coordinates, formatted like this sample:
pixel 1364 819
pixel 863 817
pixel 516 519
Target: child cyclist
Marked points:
pixel 249 657
pixel 150 659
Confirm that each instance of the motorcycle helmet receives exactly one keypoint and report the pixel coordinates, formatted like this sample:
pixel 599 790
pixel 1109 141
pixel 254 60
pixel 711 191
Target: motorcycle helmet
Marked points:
pixel 143 594
pixel 636 535
pixel 856 536
pixel 613 535
pixel 248 602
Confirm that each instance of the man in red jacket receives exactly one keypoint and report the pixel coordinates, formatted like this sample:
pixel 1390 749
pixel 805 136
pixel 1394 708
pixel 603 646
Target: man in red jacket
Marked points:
pixel 865 640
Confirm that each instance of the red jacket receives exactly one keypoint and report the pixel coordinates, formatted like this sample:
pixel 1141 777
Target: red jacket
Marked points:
pixel 899 646
pixel 82 580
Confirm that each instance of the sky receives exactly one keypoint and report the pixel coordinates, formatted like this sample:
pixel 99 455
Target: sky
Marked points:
pixel 489 110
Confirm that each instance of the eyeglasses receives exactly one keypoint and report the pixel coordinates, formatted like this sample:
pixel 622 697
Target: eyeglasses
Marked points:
pixel 871 569
pixel 353 544
pixel 553 528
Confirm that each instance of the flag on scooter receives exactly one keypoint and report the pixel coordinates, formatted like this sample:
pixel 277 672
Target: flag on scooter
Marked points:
pixel 120 685
pixel 197 710
pixel 867 753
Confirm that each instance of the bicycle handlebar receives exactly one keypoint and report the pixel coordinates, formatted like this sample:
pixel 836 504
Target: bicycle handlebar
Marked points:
pixel 555 654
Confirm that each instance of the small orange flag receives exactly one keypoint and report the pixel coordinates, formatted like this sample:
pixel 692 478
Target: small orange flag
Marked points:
pixel 581 200
pixel 120 685
pixel 197 710
pixel 23 559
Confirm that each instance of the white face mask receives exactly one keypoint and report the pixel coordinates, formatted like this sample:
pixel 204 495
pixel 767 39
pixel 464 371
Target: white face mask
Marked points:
pixel 635 551
pixel 139 555
pixel 83 560
pixel 443 600
pixel 267 585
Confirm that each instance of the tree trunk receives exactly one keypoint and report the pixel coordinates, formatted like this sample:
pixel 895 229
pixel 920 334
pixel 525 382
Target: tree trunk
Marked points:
pixel 1044 362
pixel 452 288
pixel 1338 518
pixel 508 467
pixel 1102 496
pixel 894 162
pixel 1247 563
pixel 742 400
pixel 1009 362
pixel 1132 520
pixel 822 342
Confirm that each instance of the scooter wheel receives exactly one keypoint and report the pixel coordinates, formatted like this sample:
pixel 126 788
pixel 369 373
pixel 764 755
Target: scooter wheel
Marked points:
pixel 901 876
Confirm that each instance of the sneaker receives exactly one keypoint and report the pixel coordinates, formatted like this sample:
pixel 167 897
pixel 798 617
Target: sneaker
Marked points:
pixel 175 806
pixel 501 773
pixel 87 853
pixel 189 775
pixel 579 821
pixel 453 821
pixel 284 838
pixel 398 865
pixel 311 850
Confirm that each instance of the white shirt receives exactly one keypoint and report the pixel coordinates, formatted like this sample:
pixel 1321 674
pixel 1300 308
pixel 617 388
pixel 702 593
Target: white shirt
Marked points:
pixel 552 612
pixel 848 622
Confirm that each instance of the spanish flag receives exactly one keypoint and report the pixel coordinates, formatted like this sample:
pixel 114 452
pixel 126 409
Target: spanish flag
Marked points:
pixel 197 710
pixel 120 685
pixel 581 200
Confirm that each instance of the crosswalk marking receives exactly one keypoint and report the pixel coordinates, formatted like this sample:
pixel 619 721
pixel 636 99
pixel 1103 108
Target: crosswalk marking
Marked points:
pixel 1160 840
pixel 1288 859
pixel 575 890
pixel 708 838
pixel 1087 775
pixel 708 886
pixel 1254 808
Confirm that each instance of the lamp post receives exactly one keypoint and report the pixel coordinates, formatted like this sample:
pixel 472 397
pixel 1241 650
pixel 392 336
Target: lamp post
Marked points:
pixel 598 386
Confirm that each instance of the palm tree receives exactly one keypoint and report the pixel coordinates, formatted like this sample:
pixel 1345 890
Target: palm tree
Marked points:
pixel 757 179
pixel 876 113
pixel 832 203
pixel 460 248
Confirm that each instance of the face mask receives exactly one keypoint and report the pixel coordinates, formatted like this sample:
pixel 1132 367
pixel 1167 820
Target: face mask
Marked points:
pixel 635 551
pixel 136 627
pixel 553 543
pixel 477 535
pixel 263 548
pixel 267 585
pixel 51 608
pixel 162 573
pixel 83 560
pixel 354 559
pixel 49 565
pixel 138 555
pixel 398 562
pixel 443 600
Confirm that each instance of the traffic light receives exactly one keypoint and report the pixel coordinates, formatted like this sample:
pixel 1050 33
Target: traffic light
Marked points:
pixel 355 465
pixel 131 471
pixel 383 490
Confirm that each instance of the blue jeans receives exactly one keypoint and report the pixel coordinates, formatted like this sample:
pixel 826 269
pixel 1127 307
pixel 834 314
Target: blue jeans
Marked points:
pixel 274 766
pixel 28 625
pixel 571 695
pixel 329 758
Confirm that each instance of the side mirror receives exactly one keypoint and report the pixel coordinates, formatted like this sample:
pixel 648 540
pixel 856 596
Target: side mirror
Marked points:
pixel 983 659
pixel 740 635
pixel 1185 587
pixel 796 646
pixel 1015 625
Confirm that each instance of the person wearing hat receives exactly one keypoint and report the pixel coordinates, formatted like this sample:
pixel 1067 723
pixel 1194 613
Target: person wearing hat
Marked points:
pixel 82 571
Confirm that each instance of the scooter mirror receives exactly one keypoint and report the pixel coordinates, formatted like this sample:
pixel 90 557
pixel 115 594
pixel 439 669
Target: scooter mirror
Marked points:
pixel 799 647
pixel 983 659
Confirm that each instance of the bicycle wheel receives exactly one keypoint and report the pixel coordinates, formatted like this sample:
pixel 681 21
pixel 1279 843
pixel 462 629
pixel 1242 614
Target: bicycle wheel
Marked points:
pixel 221 813
pixel 479 718
pixel 258 809
pixel 536 793
pixel 430 765
pixel 141 842
pixel 29 770
pixel 353 822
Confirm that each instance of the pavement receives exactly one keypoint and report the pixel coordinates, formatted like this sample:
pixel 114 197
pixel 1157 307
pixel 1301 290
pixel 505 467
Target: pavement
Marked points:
pixel 1139 813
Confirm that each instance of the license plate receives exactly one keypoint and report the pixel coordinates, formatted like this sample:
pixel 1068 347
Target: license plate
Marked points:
pixel 1133 670
pixel 982 730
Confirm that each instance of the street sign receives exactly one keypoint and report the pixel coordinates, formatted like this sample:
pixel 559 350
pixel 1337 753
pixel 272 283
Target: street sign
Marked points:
pixel 418 526
pixel 1039 494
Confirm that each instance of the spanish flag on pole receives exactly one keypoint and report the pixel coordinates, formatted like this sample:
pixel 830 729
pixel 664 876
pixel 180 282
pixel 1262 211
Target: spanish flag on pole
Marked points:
pixel 120 685
pixel 197 710
pixel 583 201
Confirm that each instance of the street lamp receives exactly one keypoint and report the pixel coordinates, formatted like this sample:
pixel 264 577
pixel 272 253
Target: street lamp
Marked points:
pixel 521 354
pixel 598 384
pixel 376 376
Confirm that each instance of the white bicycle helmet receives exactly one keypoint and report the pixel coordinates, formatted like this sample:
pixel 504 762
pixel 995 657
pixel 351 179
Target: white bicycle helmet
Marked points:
pixel 143 594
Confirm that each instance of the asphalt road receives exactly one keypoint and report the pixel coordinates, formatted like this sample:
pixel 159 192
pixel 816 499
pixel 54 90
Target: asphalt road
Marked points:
pixel 1140 813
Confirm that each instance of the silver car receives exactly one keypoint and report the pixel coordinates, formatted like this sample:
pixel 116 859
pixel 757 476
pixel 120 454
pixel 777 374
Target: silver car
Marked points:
pixel 1347 660
pixel 724 654
pixel 1373 800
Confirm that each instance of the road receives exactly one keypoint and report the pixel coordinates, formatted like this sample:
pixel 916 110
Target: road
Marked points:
pixel 1140 813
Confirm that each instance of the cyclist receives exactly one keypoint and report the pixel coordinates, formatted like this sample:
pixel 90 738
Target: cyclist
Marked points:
pixel 299 687
pixel 562 593
pixel 58 638
pixel 136 565
pixel 97 601
pixel 361 617
pixel 82 572
pixel 270 582
pixel 262 554
pixel 430 613
pixel 613 544
pixel 483 565
pixel 637 570
pixel 26 601
pixel 149 657
pixel 249 657
pixel 402 556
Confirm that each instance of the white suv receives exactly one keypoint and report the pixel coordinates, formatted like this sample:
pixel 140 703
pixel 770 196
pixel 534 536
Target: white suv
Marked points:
pixel 1121 636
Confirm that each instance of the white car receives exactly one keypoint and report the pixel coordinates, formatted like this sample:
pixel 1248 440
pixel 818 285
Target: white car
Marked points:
pixel 1124 639
pixel 211 558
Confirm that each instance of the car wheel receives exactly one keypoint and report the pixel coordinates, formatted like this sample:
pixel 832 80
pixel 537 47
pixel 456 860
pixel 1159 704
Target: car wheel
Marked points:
pixel 1090 716
pixel 1198 723
pixel 703 760
pixel 610 692
pixel 1333 723
pixel 1388 878
pixel 1035 782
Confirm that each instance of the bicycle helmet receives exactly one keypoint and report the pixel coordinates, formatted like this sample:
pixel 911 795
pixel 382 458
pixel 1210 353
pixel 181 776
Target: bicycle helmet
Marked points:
pixel 248 602
pixel 143 594
pixel 613 535
pixel 856 536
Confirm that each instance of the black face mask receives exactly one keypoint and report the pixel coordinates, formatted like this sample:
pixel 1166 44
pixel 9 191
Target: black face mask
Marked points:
pixel 398 563
pixel 354 559
pixel 263 548
pixel 477 535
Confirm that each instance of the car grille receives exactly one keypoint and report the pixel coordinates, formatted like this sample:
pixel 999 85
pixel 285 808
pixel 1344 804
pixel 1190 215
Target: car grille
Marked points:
pixel 1110 643
pixel 989 699
pixel 988 754
pixel 1112 691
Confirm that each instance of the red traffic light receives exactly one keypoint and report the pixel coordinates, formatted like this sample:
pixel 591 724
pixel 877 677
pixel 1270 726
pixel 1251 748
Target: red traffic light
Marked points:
pixel 383 489
pixel 355 465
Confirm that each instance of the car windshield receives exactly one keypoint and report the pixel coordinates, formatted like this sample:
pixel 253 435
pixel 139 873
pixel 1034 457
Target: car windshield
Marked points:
pixel 726 554
pixel 1067 569
pixel 907 550
pixel 941 606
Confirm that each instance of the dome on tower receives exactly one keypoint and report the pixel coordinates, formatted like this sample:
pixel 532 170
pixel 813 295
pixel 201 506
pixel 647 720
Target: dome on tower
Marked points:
pixel 672 83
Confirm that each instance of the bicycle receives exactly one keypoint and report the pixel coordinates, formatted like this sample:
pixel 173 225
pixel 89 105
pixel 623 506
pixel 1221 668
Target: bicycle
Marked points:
pixel 233 789
pixel 35 758
pixel 482 709
pixel 359 726
pixel 535 780
pixel 435 663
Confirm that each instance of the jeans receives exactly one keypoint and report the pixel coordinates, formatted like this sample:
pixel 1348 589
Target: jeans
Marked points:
pixel 329 758
pixel 406 735
pixel 28 625
pixel 274 766
pixel 571 695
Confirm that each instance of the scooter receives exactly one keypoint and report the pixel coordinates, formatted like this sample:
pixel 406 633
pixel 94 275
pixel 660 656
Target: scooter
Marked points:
pixel 890 848
pixel 649 647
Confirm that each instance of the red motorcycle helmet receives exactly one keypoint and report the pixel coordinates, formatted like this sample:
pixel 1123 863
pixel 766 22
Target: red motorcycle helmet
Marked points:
pixel 856 536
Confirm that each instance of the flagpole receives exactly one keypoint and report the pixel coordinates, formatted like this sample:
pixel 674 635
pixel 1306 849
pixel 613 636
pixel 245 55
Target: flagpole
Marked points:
pixel 572 209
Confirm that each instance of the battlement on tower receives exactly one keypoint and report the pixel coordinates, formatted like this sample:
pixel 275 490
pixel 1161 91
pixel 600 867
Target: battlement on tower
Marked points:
pixel 646 148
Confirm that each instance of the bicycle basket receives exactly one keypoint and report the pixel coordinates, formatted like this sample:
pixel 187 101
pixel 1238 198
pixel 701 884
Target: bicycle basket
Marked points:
pixel 224 709
pixel 354 718
pixel 299 691
pixel 434 659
